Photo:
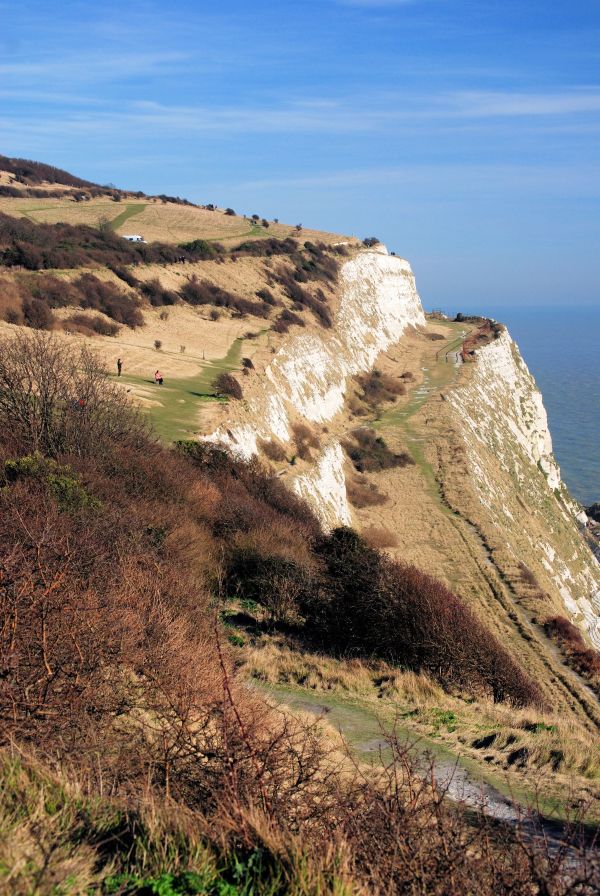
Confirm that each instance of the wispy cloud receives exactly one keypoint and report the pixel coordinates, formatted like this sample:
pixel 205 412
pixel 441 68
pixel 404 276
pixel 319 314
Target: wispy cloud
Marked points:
pixel 466 177
pixel 78 68
pixel 483 104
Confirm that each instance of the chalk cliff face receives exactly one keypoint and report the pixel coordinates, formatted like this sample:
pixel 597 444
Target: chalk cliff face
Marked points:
pixel 307 377
pixel 510 490
pixel 517 481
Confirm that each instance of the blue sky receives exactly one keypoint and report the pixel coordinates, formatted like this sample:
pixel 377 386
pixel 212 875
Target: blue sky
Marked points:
pixel 463 133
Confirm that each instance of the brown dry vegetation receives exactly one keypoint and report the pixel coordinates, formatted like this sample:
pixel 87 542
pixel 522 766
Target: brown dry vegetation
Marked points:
pixel 584 659
pixel 114 554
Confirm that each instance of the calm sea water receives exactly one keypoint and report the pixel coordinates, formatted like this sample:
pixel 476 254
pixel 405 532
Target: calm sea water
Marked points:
pixel 561 347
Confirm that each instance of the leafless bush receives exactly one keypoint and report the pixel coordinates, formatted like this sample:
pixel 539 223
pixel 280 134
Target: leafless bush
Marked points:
pixel 157 294
pixel 88 325
pixel 226 384
pixel 583 658
pixel 56 399
pixel 370 453
pixel 526 576
pixel 362 493
pixel 285 321
pixel 196 292
pixel 37 315
pixel 378 387
pixel 105 296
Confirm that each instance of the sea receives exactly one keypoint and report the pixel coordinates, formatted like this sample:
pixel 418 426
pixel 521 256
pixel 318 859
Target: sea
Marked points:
pixel 561 347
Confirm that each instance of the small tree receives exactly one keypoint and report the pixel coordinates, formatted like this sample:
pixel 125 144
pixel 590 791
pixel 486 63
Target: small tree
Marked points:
pixel 370 241
pixel 298 227
pixel 157 344
pixel 230 212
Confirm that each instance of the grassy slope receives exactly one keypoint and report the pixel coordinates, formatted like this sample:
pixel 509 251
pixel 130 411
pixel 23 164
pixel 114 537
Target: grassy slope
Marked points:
pixel 176 404
pixel 57 840
pixel 156 220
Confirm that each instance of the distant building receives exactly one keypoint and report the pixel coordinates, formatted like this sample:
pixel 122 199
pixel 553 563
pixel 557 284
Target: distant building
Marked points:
pixel 134 238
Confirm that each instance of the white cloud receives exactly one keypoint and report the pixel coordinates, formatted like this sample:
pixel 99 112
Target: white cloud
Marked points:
pixel 465 179
pixel 484 104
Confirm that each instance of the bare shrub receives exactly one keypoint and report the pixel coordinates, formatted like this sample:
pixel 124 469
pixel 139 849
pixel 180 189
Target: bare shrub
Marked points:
pixel 267 296
pixel 370 453
pixel 157 294
pixel 302 297
pixel 196 292
pixel 583 658
pixel 54 291
pixel 37 315
pixel 56 399
pixel 125 275
pixel 362 493
pixel 11 309
pixel 285 321
pixel 226 384
pixel 106 297
pixel 90 324
pixel 266 565
pixel 527 577
pixel 378 387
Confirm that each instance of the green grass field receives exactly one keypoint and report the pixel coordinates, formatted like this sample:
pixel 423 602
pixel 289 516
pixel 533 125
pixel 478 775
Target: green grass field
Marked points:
pixel 129 212
pixel 177 416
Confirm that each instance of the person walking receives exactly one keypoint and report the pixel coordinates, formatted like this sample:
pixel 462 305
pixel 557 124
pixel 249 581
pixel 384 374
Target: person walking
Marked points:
pixel 119 366
pixel 158 378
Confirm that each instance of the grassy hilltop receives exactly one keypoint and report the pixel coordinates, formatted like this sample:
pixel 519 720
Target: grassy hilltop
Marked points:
pixel 201 691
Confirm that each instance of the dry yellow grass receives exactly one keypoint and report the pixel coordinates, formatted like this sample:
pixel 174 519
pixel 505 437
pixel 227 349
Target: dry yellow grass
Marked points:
pixel 155 220
pixel 532 746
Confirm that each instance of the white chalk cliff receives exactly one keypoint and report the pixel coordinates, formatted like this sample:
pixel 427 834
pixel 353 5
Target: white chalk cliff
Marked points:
pixel 309 373
pixel 518 482
pixel 498 409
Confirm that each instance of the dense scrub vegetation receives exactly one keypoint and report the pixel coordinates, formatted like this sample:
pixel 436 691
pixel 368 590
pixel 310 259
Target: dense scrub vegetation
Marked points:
pixel 585 660
pixel 44 246
pixel 31 299
pixel 26 171
pixel 485 331
pixel 115 557
pixel 369 452
pixel 202 292
pixel 40 247
pixel 377 387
